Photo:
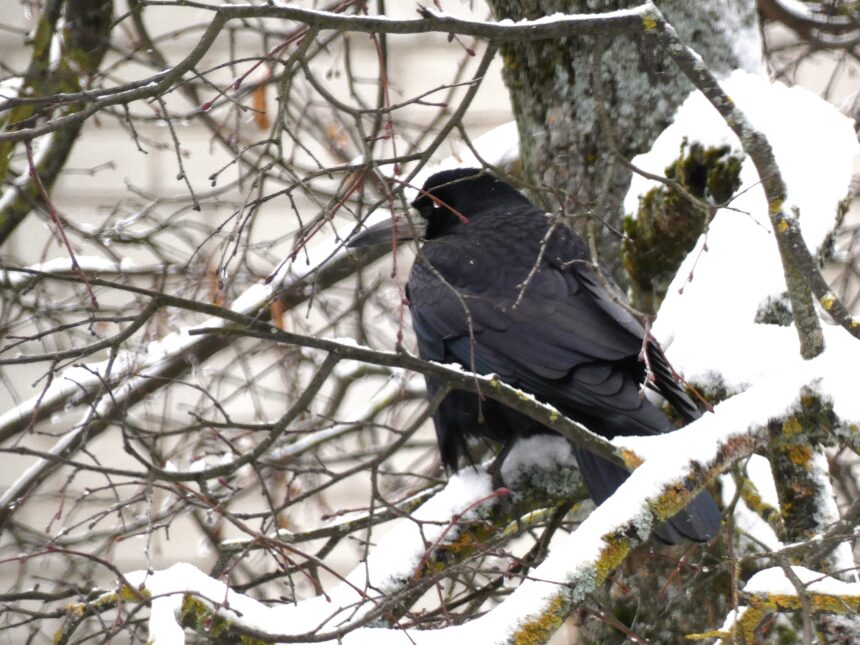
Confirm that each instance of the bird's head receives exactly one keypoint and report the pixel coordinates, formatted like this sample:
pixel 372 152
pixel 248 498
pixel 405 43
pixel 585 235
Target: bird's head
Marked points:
pixel 448 199
pixel 453 197
pixel 444 193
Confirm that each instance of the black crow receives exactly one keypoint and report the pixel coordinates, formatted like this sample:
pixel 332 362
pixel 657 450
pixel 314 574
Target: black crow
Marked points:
pixel 500 288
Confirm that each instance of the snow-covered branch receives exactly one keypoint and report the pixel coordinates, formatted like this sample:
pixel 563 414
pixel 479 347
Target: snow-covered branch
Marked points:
pixel 450 527
pixel 576 566
pixel 802 274
pixel 781 589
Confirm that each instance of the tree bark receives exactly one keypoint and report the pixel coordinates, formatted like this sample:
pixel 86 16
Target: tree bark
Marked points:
pixel 551 91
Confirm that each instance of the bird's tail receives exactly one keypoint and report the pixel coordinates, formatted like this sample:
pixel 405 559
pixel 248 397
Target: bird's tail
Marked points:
pixel 699 521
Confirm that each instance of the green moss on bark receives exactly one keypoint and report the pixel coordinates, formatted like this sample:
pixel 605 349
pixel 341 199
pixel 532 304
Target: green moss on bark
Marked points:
pixel 667 225
pixel 794 441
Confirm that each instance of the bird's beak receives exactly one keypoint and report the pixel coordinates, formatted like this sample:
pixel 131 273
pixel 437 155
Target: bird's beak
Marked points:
pixel 399 228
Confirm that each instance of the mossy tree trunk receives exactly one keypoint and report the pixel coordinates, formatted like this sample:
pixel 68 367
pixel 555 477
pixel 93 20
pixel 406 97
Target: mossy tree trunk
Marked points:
pixel 799 465
pixel 550 85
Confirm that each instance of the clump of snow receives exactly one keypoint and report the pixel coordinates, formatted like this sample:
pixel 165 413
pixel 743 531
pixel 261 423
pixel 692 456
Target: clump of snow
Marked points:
pixel 775 581
pixel 167 588
pixel 734 617
pixel 401 548
pixel 706 322
pixel 9 87
pixel 547 457
pixel 546 452
pixel 827 513
pixel 759 472
pixel 11 193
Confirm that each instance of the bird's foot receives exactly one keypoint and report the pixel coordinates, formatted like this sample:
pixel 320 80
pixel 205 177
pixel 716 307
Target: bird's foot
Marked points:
pixel 495 472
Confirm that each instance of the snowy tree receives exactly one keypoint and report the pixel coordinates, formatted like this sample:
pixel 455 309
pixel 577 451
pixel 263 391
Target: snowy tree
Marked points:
pixel 214 425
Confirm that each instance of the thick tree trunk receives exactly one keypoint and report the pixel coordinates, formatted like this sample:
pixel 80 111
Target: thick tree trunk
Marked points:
pixel 550 84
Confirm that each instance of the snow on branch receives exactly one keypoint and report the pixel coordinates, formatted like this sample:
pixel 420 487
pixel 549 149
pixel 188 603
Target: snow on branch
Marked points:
pixel 711 320
pixel 802 275
pixel 389 566
pixel 449 526
pixel 707 322
pixel 789 588
pixel 676 466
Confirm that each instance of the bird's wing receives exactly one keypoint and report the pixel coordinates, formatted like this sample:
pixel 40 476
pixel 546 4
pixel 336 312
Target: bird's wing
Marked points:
pixel 544 297
pixel 506 302
pixel 529 307
pixel 664 378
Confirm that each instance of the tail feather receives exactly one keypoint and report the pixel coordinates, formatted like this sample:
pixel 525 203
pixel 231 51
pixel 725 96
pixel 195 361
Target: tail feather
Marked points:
pixel 698 521
pixel 671 390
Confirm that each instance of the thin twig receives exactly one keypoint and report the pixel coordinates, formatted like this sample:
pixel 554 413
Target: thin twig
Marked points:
pixel 55 217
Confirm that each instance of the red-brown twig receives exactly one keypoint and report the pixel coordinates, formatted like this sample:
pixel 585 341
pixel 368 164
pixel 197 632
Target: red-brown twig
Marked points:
pixel 438 202
pixel 59 224
pixel 455 519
